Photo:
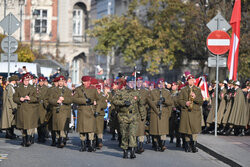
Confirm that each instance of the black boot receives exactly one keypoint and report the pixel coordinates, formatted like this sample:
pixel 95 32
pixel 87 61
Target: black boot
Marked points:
pixel 91 146
pixel 125 154
pixel 140 148
pixel 220 132
pixel 206 130
pixel 171 139
pixel 64 141
pixel 183 143
pixel 32 139
pixel 162 145
pixel 187 146
pixel 53 137
pixel 227 132
pixel 178 142
pixel 13 135
pixel 156 147
pixel 148 139
pixel 60 143
pixel 132 153
pixel 28 139
pixel 24 141
pixel 242 132
pixel 8 134
pixel 193 146
pixel 113 136
pixel 83 146
pixel 100 144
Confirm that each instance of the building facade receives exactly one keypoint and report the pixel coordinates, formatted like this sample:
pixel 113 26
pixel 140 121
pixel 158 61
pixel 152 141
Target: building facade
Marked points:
pixel 54 27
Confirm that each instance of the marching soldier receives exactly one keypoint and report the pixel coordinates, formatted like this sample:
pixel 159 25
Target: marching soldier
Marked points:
pixel 175 116
pixel 61 100
pixel 190 101
pixel 130 106
pixel 8 120
pixel 27 116
pixel 85 97
pixel 99 117
pixel 141 124
pixel 42 106
pixel 49 114
pixel 161 103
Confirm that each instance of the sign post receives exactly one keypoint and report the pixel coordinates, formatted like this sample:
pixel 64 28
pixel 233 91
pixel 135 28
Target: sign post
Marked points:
pixel 218 42
pixel 9 45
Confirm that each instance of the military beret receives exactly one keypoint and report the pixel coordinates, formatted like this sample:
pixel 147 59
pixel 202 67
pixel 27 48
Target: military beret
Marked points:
pixel 40 79
pixel 94 81
pixel 190 77
pixel 237 83
pixel 61 78
pixel 86 78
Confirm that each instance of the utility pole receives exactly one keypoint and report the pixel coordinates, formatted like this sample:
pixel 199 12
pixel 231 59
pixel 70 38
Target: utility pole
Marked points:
pixel 108 56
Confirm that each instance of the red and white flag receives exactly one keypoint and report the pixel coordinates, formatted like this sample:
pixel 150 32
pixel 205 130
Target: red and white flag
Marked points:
pixel 201 82
pixel 232 62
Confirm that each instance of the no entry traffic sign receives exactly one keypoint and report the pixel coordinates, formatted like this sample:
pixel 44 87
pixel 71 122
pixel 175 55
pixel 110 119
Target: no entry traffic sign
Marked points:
pixel 218 42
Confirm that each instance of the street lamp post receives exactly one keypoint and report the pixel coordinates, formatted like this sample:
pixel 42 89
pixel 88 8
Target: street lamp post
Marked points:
pixel 21 3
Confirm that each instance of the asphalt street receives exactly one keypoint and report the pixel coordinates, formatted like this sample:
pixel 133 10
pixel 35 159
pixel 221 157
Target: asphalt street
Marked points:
pixel 12 154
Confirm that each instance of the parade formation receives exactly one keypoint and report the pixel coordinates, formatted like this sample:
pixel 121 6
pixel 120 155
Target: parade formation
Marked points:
pixel 136 111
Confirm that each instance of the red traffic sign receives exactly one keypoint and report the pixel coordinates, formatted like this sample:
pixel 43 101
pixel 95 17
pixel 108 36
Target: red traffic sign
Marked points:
pixel 218 42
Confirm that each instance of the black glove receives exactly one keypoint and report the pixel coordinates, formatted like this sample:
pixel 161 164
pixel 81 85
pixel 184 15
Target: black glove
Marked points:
pixel 162 99
pixel 127 103
pixel 96 114
pixel 142 119
pixel 88 101
pixel 160 115
pixel 14 111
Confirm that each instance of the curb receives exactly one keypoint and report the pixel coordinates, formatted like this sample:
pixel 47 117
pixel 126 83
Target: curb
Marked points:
pixel 218 156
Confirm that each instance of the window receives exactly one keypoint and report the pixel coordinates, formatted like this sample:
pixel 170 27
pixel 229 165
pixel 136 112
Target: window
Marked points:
pixel 77 22
pixel 41 19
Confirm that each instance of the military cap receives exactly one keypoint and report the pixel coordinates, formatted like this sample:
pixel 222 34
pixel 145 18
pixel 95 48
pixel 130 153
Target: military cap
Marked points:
pixel 237 83
pixel 213 82
pixel 94 81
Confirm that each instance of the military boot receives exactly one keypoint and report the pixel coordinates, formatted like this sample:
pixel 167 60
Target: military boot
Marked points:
pixel 24 141
pixel 60 143
pixel 132 153
pixel 8 134
pixel 228 132
pixel 13 135
pixel 28 139
pixel 206 130
pixel 53 137
pixel 193 146
pixel 242 132
pixel 156 146
pixel 91 146
pixel 187 146
pixel 178 142
pixel 125 154
pixel 32 139
pixel 100 144
pixel 162 145
pixel 171 139
pixel 113 136
pixel 148 139
pixel 83 146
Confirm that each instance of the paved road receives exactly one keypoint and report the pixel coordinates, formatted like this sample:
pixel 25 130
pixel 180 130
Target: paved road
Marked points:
pixel 43 155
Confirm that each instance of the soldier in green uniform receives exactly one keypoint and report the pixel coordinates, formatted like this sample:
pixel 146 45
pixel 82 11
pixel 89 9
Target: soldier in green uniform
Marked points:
pixel 61 100
pixel 99 117
pixel 85 97
pixel 190 101
pixel 42 108
pixel 175 116
pixel 49 114
pixel 130 106
pixel 161 104
pixel 141 124
pixel 8 120
pixel 26 98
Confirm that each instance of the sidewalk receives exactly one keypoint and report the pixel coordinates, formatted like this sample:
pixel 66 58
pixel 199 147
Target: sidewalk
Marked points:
pixel 233 150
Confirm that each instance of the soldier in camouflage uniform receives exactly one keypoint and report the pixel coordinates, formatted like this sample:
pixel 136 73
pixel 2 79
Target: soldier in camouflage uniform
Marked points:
pixel 130 105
